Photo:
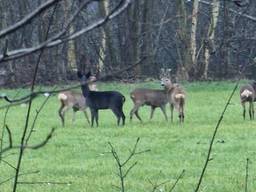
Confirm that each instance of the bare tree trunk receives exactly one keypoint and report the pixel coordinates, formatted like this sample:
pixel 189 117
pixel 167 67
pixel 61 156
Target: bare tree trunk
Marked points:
pixel 129 41
pixel 147 37
pixel 71 54
pixel 193 44
pixel 211 35
pixel 107 48
pixel 185 65
pixel 104 5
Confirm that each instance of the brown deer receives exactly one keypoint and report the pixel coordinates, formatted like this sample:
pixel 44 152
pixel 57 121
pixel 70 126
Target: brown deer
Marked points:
pixel 74 100
pixel 151 97
pixel 248 94
pixel 176 96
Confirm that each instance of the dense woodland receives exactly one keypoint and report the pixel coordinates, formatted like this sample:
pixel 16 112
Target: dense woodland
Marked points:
pixel 48 42
pixel 198 40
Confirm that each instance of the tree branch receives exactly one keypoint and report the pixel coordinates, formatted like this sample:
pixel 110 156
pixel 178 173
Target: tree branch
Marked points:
pixel 28 18
pixel 33 95
pixel 56 40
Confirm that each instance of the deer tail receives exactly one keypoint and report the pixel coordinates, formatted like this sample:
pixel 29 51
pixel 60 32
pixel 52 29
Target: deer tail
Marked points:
pixel 62 96
pixel 181 98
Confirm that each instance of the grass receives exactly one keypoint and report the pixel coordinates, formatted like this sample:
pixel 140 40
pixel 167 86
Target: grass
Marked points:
pixel 77 153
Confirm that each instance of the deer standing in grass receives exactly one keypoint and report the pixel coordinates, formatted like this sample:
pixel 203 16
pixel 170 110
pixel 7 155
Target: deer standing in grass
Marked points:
pixel 151 97
pixel 248 94
pixel 75 100
pixel 97 100
pixel 176 96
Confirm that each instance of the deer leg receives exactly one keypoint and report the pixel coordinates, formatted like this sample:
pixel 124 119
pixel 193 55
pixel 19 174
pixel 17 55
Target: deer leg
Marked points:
pixel 183 117
pixel 135 111
pixel 117 114
pixel 97 117
pixel 86 116
pixel 132 111
pixel 123 117
pixel 137 115
pixel 152 111
pixel 164 112
pixel 252 110
pixel 73 117
pixel 122 114
pixel 61 115
pixel 171 107
pixel 181 114
pixel 62 111
pixel 92 116
pixel 244 111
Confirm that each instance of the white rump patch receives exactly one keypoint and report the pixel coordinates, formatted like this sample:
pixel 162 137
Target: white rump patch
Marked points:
pixel 46 94
pixel 179 96
pixel 246 93
pixel 62 96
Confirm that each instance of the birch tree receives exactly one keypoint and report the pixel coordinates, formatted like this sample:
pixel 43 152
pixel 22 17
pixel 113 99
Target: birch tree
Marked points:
pixel 193 44
pixel 211 36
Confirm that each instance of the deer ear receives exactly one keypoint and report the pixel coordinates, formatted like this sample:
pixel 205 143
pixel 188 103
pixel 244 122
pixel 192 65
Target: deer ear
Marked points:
pixel 79 74
pixel 88 74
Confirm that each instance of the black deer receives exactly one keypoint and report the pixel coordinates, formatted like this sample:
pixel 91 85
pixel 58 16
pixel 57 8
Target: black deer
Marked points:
pixel 102 100
pixel 74 100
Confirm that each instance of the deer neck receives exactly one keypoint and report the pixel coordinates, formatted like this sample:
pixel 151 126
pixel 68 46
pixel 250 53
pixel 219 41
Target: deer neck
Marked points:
pixel 85 89
pixel 169 89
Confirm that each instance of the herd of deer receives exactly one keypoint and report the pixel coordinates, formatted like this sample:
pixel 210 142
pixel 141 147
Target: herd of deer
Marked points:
pixel 96 100
pixel 171 93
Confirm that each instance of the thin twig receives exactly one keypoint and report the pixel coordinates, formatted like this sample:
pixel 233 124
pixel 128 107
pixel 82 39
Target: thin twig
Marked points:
pixel 36 117
pixel 52 92
pixel 4 126
pixel 57 39
pixel 208 158
pixel 20 174
pixel 246 175
pixel 22 142
pixel 9 135
pixel 122 174
pixel 44 182
pixel 177 180
pixel 36 146
pixel 9 164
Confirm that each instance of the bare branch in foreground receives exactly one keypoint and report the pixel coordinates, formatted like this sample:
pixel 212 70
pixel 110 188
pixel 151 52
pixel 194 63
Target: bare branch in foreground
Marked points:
pixel 36 146
pixel 44 183
pixel 250 17
pixel 122 174
pixel 21 174
pixel 177 180
pixel 246 175
pixel 208 158
pixel 33 95
pixel 28 18
pixel 57 39
pixel 9 135
pixel 23 142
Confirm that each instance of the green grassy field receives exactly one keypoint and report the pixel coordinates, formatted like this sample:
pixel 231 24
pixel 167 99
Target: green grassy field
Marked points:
pixel 77 154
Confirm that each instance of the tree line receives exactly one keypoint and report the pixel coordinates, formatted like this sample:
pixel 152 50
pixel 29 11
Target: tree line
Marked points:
pixel 198 40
